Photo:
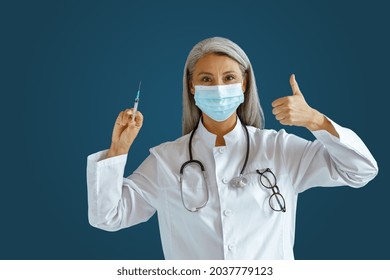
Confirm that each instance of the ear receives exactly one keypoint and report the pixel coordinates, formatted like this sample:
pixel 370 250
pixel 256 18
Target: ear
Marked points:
pixel 244 83
pixel 192 88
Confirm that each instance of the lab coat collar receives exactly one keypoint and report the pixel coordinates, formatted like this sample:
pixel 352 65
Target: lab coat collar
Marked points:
pixel 231 138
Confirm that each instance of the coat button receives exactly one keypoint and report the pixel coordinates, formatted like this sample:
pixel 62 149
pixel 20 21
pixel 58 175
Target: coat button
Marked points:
pixel 225 181
pixel 227 212
pixel 231 247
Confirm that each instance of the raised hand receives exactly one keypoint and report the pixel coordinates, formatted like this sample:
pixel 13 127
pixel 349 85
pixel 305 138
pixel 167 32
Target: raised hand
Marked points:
pixel 294 110
pixel 124 132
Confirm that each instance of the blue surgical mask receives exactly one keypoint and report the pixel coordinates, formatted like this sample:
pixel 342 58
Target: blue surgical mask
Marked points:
pixel 219 102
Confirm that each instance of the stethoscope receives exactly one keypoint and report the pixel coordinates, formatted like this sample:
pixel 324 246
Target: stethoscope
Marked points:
pixel 237 182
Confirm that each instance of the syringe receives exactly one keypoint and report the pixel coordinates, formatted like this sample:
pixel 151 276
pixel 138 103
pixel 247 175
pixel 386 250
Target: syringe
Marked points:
pixel 136 102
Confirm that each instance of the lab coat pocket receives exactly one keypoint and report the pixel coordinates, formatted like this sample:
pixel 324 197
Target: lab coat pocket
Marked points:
pixel 261 191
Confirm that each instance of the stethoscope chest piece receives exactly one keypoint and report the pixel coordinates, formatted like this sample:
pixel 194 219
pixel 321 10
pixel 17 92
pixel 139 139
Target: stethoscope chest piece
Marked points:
pixel 239 182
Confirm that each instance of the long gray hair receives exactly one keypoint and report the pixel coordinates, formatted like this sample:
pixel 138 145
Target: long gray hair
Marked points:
pixel 250 112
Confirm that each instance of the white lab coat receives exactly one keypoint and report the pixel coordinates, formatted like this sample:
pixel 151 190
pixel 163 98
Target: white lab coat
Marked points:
pixel 236 223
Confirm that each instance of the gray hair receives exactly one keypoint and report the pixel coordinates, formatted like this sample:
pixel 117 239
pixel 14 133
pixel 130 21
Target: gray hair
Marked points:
pixel 250 112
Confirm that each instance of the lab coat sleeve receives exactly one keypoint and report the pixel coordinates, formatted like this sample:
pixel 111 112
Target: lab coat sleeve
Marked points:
pixel 115 202
pixel 328 161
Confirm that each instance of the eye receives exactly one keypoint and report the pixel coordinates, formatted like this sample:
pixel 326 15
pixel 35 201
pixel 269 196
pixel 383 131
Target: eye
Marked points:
pixel 230 78
pixel 206 79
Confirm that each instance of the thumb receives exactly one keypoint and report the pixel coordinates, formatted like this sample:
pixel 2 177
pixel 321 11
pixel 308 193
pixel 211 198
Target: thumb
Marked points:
pixel 294 86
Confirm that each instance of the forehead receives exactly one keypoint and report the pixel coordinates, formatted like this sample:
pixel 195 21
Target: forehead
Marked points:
pixel 215 63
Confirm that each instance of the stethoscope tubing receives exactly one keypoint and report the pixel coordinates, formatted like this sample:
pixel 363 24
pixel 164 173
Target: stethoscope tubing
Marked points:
pixel 199 163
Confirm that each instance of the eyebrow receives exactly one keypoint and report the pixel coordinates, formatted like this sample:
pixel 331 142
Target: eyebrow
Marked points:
pixel 224 73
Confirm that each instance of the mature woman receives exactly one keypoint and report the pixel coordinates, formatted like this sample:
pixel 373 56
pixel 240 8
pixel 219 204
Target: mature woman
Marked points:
pixel 228 188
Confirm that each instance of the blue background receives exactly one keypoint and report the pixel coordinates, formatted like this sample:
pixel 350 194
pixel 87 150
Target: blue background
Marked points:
pixel 69 67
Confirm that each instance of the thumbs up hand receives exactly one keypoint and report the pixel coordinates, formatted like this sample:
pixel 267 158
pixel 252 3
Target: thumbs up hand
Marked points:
pixel 293 109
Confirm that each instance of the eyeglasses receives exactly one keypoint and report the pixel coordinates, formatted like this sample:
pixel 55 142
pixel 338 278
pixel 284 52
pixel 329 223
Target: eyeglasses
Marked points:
pixel 268 180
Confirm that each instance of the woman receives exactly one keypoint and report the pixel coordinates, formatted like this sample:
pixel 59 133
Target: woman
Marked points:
pixel 244 207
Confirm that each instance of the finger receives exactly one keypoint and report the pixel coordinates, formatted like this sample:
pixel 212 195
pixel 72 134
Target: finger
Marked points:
pixel 279 101
pixel 283 101
pixel 129 111
pixel 284 118
pixel 139 119
pixel 119 119
pixel 294 85
pixel 128 116
pixel 286 122
pixel 279 109
pixel 118 127
pixel 125 117
pixel 281 116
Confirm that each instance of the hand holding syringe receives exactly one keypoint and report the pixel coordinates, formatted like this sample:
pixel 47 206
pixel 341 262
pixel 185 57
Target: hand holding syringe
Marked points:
pixel 126 128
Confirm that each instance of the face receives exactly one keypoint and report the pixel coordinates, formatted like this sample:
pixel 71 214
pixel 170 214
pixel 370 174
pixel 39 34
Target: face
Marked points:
pixel 213 69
